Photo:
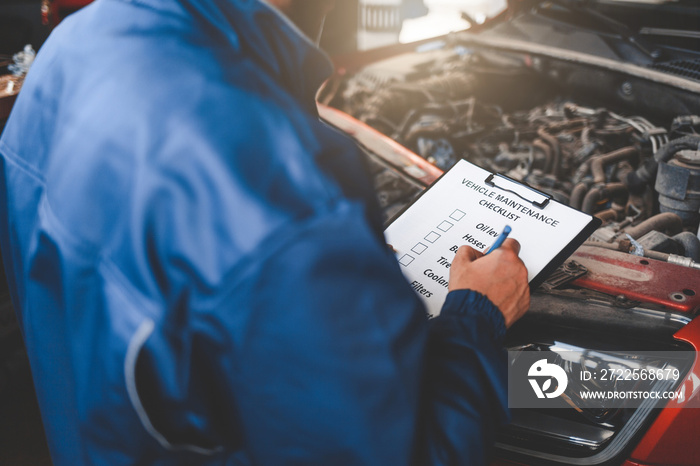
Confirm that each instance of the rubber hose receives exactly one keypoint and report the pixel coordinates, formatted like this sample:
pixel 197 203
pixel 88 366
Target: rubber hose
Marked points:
pixel 599 163
pixel 666 221
pixel 556 152
pixel 690 243
pixel 622 170
pixel 599 193
pixel 607 215
pixel 667 151
pixel 577 194
pixel 541 145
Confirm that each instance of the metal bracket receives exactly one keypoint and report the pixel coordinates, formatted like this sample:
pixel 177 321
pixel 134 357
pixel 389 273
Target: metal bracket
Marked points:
pixel 566 273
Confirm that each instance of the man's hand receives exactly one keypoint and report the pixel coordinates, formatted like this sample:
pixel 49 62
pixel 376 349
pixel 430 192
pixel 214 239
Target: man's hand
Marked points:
pixel 501 276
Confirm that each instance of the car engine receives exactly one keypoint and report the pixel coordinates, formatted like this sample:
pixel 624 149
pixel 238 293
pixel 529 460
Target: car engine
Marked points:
pixel 639 175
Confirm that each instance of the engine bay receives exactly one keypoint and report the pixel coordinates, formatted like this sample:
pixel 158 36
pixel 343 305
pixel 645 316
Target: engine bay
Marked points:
pixel 636 172
pixel 615 146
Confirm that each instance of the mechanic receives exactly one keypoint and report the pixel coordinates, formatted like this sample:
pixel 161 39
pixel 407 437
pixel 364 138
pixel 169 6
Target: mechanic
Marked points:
pixel 198 263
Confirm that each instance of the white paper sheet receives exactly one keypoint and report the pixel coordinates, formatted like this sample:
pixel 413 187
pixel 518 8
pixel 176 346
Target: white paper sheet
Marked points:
pixel 461 208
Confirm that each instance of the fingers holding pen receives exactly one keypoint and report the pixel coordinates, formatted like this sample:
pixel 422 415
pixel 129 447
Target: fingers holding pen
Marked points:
pixel 512 244
pixel 466 254
pixel 500 275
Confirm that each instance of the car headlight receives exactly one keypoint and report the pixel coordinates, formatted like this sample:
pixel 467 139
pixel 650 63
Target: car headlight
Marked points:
pixel 601 349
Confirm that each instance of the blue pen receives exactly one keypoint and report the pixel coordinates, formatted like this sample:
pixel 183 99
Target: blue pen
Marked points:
pixel 501 238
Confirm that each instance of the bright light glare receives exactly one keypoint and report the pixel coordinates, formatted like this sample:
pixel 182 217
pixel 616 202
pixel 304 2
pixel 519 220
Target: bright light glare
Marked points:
pixel 445 17
pixel 432 25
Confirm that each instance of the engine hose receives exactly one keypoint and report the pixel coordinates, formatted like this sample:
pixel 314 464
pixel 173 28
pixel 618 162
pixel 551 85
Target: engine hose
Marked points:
pixel 638 180
pixel 569 124
pixel 586 136
pixel 615 246
pixel 599 163
pixel 690 243
pixel 578 193
pixel 616 212
pixel 666 152
pixel 556 151
pixel 607 215
pixel 666 221
pixel 582 171
pixel 600 193
pixel 622 170
pixel 540 144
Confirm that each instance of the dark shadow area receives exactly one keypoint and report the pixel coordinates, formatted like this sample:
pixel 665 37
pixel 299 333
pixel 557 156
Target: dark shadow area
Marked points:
pixel 21 24
pixel 22 439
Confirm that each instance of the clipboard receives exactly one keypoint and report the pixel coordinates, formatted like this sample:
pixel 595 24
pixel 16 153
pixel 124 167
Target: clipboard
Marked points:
pixel 523 191
pixel 470 205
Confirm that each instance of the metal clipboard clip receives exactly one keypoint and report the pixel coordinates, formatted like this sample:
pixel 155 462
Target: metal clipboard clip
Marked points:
pixel 523 191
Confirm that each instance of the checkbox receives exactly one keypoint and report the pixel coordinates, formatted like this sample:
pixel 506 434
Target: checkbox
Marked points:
pixel 444 226
pixel 419 248
pixel 406 260
pixel 432 237
pixel 457 215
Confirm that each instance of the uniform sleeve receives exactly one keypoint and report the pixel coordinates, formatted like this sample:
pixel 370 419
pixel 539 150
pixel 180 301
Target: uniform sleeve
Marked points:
pixel 320 353
pixel 465 396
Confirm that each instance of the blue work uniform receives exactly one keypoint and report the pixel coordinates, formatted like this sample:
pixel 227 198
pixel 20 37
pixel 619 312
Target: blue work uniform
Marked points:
pixel 198 266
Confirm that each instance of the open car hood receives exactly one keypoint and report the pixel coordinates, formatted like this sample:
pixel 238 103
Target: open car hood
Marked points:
pixel 657 34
